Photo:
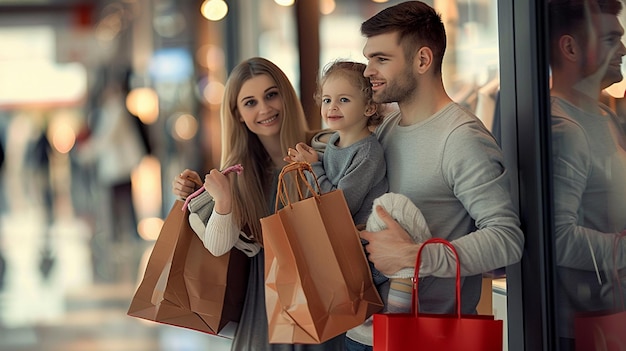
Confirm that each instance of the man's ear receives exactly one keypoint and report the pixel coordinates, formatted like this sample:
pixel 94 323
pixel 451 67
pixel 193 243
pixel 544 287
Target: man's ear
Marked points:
pixel 423 59
pixel 569 48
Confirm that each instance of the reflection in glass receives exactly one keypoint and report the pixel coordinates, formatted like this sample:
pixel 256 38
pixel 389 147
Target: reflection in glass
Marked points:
pixel 589 172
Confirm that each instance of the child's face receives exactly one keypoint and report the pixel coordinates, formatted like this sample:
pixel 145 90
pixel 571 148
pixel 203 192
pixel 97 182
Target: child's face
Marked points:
pixel 343 105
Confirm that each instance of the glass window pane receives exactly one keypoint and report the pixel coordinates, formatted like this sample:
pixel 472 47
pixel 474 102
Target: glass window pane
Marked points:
pixel 589 170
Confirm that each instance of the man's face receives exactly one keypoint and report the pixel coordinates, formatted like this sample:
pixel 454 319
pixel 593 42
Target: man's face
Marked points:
pixel 391 76
pixel 605 50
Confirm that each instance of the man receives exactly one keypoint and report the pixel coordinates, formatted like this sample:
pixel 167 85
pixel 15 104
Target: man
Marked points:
pixel 440 156
pixel 589 158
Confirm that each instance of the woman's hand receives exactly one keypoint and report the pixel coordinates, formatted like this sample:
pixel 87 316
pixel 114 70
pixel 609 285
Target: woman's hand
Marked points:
pixel 186 183
pixel 218 186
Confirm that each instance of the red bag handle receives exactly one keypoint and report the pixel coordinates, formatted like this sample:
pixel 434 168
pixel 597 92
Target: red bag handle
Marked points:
pixel 299 167
pixel 414 299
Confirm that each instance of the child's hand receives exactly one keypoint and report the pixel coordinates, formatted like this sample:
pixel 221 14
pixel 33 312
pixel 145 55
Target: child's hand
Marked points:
pixel 301 153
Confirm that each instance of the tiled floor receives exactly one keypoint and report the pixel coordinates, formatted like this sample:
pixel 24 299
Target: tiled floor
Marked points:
pixel 73 310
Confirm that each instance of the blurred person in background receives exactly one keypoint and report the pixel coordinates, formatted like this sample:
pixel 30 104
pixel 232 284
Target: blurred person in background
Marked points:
pixel 116 147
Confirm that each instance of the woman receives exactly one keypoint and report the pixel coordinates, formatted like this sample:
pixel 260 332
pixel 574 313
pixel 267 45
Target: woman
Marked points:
pixel 261 118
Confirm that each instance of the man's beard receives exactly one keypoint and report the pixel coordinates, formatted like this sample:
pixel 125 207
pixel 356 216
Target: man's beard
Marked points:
pixel 400 90
pixel 611 77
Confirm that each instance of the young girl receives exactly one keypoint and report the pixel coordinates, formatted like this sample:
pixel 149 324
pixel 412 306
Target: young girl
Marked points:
pixel 353 160
pixel 261 116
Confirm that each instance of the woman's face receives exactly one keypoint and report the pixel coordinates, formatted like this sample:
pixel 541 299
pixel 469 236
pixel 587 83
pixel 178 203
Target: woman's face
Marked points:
pixel 260 106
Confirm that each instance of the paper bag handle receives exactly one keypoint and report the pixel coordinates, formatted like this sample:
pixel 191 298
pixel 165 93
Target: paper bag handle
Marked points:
pixel 236 168
pixel 282 196
pixel 414 299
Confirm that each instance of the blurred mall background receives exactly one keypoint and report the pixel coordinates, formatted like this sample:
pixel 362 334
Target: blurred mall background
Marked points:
pixel 102 102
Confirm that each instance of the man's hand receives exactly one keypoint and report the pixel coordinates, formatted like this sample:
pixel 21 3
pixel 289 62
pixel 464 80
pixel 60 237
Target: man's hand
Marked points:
pixel 390 249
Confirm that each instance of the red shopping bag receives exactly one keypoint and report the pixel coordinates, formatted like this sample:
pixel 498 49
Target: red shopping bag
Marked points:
pixel 604 330
pixel 600 331
pixel 449 332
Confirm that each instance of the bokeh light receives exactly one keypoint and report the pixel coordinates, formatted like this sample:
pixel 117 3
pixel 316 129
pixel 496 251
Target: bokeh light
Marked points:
pixel 284 2
pixel 185 127
pixel 146 187
pixel 327 6
pixel 211 57
pixel 214 10
pixel 214 92
pixel 149 228
pixel 143 103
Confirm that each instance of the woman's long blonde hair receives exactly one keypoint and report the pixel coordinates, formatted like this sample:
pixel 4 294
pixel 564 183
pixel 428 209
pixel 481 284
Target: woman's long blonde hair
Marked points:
pixel 251 188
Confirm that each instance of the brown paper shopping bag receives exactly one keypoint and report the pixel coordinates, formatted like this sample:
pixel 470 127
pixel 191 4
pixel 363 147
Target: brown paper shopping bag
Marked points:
pixel 185 285
pixel 317 280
